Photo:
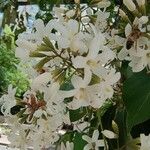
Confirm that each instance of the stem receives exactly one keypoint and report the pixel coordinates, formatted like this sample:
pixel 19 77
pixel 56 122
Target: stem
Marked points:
pixel 102 129
pixel 118 144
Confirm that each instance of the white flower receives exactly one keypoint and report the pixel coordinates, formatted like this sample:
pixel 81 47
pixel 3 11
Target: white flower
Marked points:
pixel 40 29
pixel 83 95
pixel 129 4
pixel 69 146
pixel 65 32
pixel 28 42
pixel 8 101
pixel 17 136
pixel 94 60
pixel 18 139
pixel 109 78
pixel 93 143
pixel 145 142
pixel 138 54
pixel 44 134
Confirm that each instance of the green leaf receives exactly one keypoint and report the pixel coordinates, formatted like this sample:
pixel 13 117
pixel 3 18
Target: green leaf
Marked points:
pixel 77 114
pixel 43 47
pixel 136 95
pixel 66 86
pixel 37 54
pixel 67 137
pixel 79 143
pixel 48 43
pixel 40 65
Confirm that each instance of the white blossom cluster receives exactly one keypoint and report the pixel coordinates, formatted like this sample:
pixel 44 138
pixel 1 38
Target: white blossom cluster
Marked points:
pixel 80 52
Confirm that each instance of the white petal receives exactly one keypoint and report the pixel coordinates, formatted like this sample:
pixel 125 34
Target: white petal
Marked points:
pixel 66 94
pixel 95 136
pixel 75 104
pixel 88 147
pixel 87 76
pixel 119 40
pixel 62 146
pixel 79 62
pixel 95 45
pixel 70 13
pixel 73 26
pixel 128 30
pixel 109 134
pixel 137 65
pixel 62 41
pixel 123 54
pixel 23 54
pixel 143 19
pixel 87 138
pixel 77 81
pixel 41 81
pixel 100 143
pixel 39 24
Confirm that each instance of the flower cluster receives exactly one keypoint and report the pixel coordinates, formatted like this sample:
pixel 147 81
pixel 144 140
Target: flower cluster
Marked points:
pixel 71 62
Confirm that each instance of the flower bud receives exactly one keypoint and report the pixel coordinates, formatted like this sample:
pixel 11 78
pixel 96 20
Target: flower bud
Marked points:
pixel 115 127
pixel 143 19
pixel 77 1
pixel 123 14
pixel 109 134
pixel 129 4
pixel 141 2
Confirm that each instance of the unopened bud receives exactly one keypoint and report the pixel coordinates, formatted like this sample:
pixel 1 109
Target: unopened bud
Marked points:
pixel 123 14
pixel 115 127
pixel 77 1
pixel 129 4
pixel 109 134
pixel 141 2
pixel 143 19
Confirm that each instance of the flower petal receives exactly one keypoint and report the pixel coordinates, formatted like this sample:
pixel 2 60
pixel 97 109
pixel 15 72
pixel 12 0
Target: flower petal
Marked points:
pixel 79 62
pixel 87 138
pixel 109 134
pixel 128 30
pixel 73 26
pixel 95 136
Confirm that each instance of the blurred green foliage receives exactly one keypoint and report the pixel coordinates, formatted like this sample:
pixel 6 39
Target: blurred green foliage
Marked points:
pixel 8 65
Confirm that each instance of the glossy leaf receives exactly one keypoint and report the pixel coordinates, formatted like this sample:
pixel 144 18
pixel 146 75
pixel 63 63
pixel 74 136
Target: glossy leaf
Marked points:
pixel 136 95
